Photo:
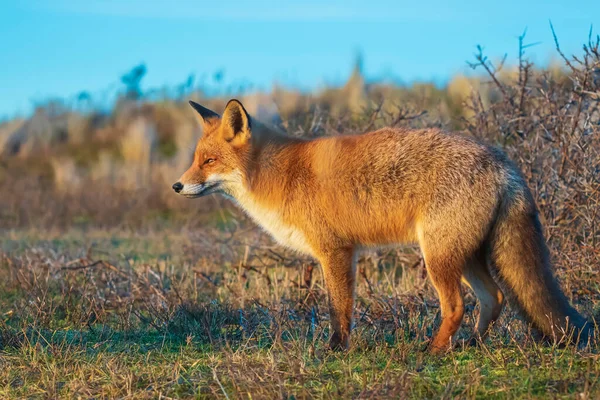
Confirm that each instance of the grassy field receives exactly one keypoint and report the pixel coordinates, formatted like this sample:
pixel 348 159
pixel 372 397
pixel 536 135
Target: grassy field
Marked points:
pixel 219 313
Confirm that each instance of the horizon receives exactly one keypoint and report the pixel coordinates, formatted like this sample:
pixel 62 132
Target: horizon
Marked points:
pixel 64 48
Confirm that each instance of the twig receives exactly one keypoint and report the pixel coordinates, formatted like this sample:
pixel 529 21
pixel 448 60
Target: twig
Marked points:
pixel 575 70
pixel 363 274
pixel 214 371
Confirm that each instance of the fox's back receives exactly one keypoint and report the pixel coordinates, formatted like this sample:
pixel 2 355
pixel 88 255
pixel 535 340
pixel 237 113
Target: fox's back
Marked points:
pixel 378 186
pixel 399 162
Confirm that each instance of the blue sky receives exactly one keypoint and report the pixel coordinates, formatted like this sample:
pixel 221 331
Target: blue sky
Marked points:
pixel 57 48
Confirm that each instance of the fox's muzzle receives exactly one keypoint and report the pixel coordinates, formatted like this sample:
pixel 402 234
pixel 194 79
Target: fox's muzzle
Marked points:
pixel 196 189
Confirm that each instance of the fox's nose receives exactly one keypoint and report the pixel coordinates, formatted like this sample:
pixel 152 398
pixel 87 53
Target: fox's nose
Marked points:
pixel 177 186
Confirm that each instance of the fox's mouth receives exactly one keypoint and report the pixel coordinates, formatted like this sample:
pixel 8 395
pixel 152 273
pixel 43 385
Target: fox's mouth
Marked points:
pixel 199 190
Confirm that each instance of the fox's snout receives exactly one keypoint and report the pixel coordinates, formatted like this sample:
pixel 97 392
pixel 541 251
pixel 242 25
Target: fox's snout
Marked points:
pixel 177 187
pixel 193 190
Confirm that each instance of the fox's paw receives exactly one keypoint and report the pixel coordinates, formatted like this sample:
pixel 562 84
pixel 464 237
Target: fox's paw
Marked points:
pixel 339 342
pixel 438 350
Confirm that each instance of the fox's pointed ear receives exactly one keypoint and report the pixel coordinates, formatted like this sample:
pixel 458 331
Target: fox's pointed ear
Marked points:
pixel 235 123
pixel 206 116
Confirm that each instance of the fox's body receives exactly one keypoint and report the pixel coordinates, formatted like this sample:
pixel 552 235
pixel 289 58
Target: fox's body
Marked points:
pixel 365 190
pixel 464 203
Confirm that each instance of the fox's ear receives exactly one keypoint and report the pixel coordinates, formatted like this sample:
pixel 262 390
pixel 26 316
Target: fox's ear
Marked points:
pixel 235 123
pixel 206 116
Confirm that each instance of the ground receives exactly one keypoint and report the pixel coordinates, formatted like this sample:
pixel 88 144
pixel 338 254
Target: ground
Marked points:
pixel 223 313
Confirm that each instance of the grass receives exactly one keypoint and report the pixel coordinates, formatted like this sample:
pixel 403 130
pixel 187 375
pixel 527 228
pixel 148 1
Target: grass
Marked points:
pixel 112 314
pixel 143 364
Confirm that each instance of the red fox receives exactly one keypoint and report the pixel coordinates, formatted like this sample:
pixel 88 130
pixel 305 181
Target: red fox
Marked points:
pixel 465 204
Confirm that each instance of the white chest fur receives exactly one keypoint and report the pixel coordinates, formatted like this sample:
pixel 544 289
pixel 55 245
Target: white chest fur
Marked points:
pixel 272 221
pixel 268 218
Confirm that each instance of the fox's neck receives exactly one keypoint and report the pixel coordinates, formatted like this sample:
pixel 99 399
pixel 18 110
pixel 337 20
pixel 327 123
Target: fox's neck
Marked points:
pixel 266 189
pixel 266 176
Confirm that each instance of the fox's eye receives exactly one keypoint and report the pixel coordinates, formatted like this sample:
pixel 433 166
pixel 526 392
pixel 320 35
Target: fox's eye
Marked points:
pixel 209 161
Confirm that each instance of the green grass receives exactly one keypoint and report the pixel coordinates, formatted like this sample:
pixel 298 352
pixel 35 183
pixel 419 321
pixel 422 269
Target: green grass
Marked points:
pixel 146 364
pixel 168 317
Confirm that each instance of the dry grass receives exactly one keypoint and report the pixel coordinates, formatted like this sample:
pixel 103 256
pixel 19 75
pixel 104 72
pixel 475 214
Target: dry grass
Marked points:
pixel 140 316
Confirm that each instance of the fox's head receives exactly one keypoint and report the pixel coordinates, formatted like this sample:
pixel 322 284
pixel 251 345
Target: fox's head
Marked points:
pixel 221 153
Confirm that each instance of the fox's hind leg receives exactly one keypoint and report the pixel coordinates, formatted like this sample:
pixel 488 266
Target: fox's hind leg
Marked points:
pixel 445 273
pixel 489 296
pixel 451 304
pixel 446 249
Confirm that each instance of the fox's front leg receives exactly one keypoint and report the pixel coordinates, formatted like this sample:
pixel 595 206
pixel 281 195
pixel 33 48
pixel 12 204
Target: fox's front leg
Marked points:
pixel 339 272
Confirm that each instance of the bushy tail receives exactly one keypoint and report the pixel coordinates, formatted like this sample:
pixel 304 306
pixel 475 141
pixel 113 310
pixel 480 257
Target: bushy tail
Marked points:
pixel 520 257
